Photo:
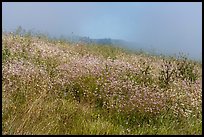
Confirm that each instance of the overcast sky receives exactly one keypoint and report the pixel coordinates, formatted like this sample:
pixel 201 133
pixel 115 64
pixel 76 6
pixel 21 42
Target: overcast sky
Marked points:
pixel 169 27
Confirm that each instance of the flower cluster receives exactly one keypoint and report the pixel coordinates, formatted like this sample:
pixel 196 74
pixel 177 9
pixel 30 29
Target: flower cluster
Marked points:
pixel 127 83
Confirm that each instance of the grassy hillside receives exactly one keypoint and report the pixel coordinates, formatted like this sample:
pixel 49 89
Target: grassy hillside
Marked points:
pixel 55 87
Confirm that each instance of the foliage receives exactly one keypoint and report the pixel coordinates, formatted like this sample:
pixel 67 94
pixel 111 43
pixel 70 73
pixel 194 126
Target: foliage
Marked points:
pixel 55 87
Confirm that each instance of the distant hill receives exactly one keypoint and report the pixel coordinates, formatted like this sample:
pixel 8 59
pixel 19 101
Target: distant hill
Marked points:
pixel 103 41
pixel 133 46
pixel 107 41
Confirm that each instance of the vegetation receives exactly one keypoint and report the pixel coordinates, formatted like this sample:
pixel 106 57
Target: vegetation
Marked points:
pixel 56 87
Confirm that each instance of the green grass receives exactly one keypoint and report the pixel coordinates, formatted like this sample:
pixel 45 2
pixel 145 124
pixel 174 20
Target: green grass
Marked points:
pixel 53 87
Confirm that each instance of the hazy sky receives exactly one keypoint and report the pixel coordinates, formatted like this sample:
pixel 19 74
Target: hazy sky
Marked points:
pixel 168 27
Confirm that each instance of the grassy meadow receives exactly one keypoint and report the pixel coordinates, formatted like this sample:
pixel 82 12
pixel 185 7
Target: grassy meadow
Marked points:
pixel 52 86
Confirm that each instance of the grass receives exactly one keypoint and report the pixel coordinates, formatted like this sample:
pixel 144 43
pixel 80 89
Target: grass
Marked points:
pixel 52 86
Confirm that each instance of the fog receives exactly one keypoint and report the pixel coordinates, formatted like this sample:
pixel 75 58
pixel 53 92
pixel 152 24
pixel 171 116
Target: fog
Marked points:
pixel 165 27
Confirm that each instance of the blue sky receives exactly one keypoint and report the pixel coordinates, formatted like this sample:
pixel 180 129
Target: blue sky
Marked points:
pixel 167 27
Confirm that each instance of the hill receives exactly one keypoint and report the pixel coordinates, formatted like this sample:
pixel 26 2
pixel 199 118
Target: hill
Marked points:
pixel 52 86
